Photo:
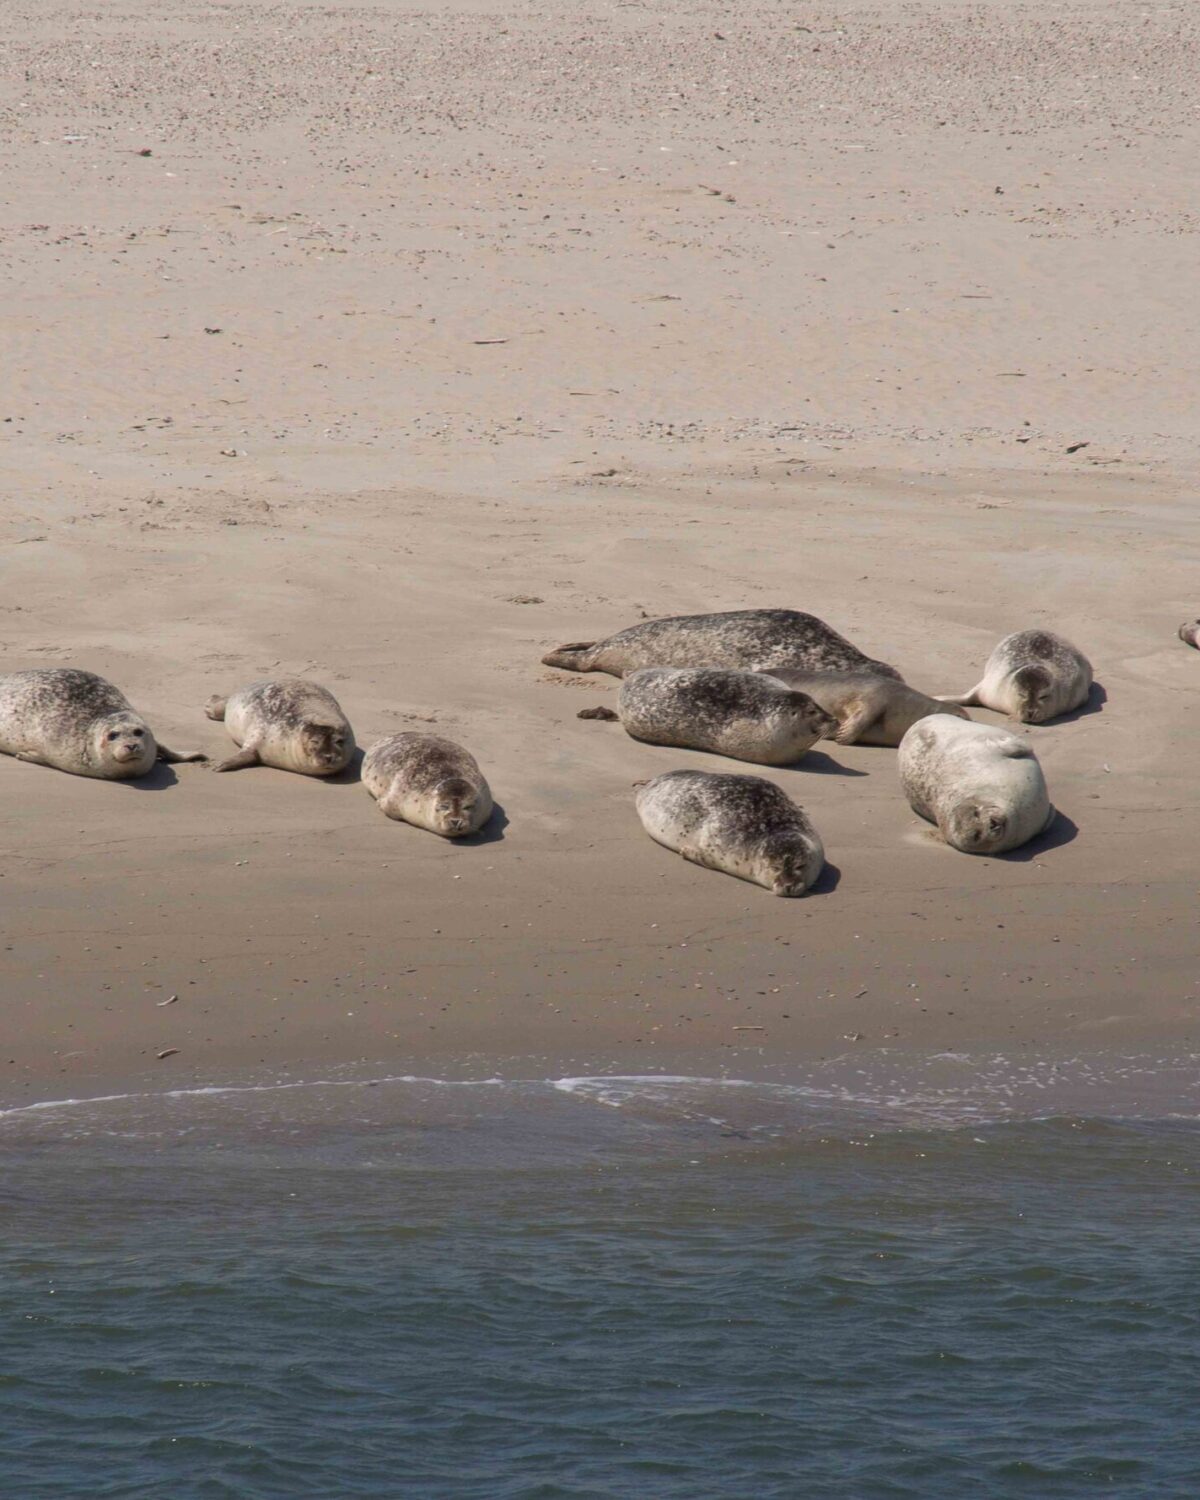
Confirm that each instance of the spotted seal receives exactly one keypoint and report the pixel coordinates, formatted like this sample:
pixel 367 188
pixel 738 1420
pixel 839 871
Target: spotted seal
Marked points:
pixel 741 825
pixel 1033 675
pixel 742 640
pixel 740 714
pixel 288 723
pixel 870 708
pixel 78 722
pixel 981 784
pixel 428 781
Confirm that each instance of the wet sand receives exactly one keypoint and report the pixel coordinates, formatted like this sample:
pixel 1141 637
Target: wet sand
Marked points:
pixel 421 342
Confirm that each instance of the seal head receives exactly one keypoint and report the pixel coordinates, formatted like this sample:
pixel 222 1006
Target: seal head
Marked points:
pixel 122 742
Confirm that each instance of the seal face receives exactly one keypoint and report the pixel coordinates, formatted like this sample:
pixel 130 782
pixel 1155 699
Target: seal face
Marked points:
pixel 739 714
pixel 870 708
pixel 982 785
pixel 744 640
pixel 1033 675
pixel 741 825
pixel 77 722
pixel 287 722
pixel 428 781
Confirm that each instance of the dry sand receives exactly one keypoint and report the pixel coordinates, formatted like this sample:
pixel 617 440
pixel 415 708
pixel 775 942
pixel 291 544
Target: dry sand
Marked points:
pixel 395 344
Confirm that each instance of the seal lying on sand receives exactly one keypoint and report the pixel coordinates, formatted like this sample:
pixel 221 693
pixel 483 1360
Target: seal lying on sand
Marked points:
pixel 743 639
pixel 871 708
pixel 741 825
pixel 290 724
pixel 77 722
pixel 1033 676
pixel 739 714
pixel 982 785
pixel 428 781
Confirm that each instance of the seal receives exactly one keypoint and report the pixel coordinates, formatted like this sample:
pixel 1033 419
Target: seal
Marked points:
pixel 740 714
pixel 78 722
pixel 428 781
pixel 1189 633
pixel 744 640
pixel 981 784
pixel 1033 676
pixel 741 825
pixel 870 708
pixel 289 723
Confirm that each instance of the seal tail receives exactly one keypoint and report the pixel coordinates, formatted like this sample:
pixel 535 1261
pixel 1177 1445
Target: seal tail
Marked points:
pixel 215 707
pixel 572 658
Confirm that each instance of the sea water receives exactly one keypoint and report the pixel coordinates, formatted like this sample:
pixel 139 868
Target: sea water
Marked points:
pixel 939 1279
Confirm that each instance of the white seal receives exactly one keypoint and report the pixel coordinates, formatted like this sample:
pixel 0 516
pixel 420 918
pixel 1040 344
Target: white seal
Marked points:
pixel 290 723
pixel 740 714
pixel 981 784
pixel 77 722
pixel 740 825
pixel 428 781
pixel 1033 676
pixel 870 708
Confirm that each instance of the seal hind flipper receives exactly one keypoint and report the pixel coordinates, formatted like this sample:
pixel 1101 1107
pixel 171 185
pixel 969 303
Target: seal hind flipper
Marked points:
pixel 568 657
pixel 1188 633
pixel 215 707
pixel 246 756
pixel 964 700
pixel 176 757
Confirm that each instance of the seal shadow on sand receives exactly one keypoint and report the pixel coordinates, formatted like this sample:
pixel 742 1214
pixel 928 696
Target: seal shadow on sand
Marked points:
pixel 158 779
pixel 1062 831
pixel 819 763
pixel 828 880
pixel 1096 699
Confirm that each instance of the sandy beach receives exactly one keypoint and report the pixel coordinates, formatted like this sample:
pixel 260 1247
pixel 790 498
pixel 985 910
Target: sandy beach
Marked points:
pixel 396 345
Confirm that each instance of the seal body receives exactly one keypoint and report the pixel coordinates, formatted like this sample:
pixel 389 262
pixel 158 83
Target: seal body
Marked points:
pixel 1033 676
pixel 739 714
pixel 288 723
pixel 741 825
pixel 428 781
pixel 870 707
pixel 77 722
pixel 744 640
pixel 982 785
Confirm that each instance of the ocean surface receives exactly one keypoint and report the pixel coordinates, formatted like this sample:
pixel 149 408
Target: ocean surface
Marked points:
pixel 889 1279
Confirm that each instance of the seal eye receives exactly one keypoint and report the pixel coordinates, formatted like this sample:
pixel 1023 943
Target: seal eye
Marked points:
pixel 138 733
pixel 114 735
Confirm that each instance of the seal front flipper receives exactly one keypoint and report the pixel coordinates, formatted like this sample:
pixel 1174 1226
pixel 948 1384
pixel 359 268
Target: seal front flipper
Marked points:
pixel 177 757
pixel 215 707
pixel 855 724
pixel 31 757
pixel 606 714
pixel 246 756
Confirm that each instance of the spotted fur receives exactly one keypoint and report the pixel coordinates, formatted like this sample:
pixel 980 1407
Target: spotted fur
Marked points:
pixel 428 781
pixel 741 825
pixel 742 640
